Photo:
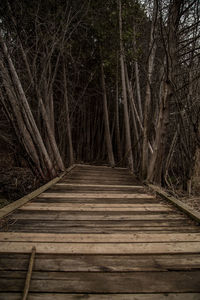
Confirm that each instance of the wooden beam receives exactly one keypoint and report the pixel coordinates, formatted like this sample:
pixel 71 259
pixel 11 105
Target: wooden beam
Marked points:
pixel 95 195
pixel 18 203
pixel 101 248
pixel 100 185
pixel 179 204
pixel 61 296
pixel 94 207
pixel 98 238
pixel 100 167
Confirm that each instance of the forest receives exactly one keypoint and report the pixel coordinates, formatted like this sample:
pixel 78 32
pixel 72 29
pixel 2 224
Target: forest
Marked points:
pixel 113 82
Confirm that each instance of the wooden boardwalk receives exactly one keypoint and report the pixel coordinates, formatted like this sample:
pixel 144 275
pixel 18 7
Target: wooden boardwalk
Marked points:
pixel 99 234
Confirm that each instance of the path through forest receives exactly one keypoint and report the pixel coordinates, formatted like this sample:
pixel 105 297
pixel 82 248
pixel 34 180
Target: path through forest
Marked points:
pixel 100 234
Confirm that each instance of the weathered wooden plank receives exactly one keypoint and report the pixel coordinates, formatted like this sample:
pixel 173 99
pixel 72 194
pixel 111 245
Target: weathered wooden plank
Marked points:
pixel 91 205
pixel 112 177
pixel 182 206
pixel 98 200
pixel 101 263
pixel 94 195
pixel 82 282
pixel 100 181
pixel 99 238
pixel 108 223
pixel 101 230
pixel 95 215
pixel 100 186
pixel 105 167
pixel 101 248
pixel 94 207
pixel 54 296
pixel 91 190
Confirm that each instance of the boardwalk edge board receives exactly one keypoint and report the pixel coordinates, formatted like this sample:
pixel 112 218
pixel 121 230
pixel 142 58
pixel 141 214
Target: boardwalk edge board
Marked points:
pixel 60 296
pixel 182 206
pixel 18 203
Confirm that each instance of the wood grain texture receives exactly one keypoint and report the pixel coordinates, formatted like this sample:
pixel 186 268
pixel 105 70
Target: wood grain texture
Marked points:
pixel 99 238
pixel 101 248
pixel 94 195
pixel 54 296
pixel 100 234
pixel 88 282
pixel 101 263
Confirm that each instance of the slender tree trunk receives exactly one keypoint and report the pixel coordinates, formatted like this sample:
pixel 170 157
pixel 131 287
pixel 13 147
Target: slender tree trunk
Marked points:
pixel 117 126
pixel 132 103
pixel 137 79
pixel 19 124
pixel 156 162
pixel 147 103
pixel 157 159
pixel 71 151
pixel 196 171
pixel 106 121
pixel 124 91
pixel 27 109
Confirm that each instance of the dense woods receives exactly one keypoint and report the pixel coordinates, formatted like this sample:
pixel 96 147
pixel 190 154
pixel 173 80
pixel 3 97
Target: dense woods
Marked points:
pixel 102 82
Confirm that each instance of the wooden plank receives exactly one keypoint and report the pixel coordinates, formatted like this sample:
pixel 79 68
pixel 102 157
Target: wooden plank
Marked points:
pixel 54 296
pixel 88 282
pixel 94 195
pixel 85 166
pixel 95 216
pixel 100 185
pixel 182 206
pixel 11 207
pixel 94 207
pixel 98 200
pixel 100 230
pixel 99 238
pixel 101 262
pixel 101 248
pixel 120 224
pixel 99 181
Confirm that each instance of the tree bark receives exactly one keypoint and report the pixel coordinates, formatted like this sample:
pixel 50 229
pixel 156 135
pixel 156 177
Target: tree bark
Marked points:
pixel 69 134
pixel 124 92
pixel 106 121
pixel 147 103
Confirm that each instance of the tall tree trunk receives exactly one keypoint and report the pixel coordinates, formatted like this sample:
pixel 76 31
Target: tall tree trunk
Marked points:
pixel 124 91
pixel 106 121
pixel 147 103
pixel 137 79
pixel 27 109
pixel 157 159
pixel 71 150
pixel 48 117
pixel 117 126
pixel 196 170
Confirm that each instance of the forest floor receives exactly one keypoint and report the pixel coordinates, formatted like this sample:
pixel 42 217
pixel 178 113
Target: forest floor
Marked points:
pixel 193 201
pixel 15 182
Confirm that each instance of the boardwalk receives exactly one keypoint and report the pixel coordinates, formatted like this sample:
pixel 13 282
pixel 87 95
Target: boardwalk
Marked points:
pixel 100 234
